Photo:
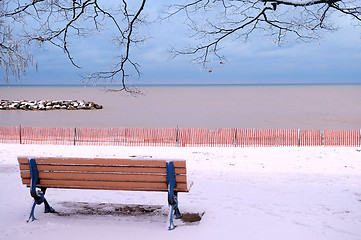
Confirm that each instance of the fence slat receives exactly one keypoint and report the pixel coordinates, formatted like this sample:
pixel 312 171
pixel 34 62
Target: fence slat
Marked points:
pixel 347 138
pixel 9 134
pixel 34 135
pixel 102 137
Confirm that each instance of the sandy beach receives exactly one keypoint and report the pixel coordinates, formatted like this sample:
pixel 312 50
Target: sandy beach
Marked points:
pixel 248 193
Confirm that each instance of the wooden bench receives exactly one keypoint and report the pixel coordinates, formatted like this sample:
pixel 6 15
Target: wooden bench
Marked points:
pixel 104 174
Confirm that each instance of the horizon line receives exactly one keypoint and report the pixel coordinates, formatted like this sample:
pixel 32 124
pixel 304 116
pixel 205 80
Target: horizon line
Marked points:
pixel 170 84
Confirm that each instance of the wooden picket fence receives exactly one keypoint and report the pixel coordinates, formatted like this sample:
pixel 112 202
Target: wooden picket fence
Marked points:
pixel 180 137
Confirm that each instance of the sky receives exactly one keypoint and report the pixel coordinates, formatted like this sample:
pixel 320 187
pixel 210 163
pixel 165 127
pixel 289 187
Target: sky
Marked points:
pixel 335 59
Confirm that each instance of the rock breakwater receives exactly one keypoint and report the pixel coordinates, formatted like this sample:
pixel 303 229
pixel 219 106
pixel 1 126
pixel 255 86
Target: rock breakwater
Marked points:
pixel 48 105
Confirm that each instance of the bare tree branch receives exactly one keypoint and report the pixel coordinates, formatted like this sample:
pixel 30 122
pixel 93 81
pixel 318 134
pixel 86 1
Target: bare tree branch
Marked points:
pixel 211 22
pixel 127 40
pixel 60 22
pixel 14 58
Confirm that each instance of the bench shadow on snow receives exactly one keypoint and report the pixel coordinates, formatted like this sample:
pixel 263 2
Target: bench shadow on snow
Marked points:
pixel 110 209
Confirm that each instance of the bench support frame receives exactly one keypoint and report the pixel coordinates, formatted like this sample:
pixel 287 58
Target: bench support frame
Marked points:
pixel 38 195
pixel 172 195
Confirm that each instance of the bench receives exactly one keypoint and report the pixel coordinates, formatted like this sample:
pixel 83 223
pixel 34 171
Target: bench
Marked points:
pixel 104 174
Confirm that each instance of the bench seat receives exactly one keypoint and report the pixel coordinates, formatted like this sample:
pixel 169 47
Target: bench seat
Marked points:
pixel 104 173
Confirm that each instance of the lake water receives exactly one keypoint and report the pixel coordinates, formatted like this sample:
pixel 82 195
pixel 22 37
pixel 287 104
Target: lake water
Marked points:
pixel 209 106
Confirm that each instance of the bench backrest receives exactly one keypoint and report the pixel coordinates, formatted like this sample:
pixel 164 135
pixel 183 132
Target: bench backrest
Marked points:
pixel 104 173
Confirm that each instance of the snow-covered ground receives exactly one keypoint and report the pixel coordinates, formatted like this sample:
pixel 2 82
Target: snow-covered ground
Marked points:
pixel 243 193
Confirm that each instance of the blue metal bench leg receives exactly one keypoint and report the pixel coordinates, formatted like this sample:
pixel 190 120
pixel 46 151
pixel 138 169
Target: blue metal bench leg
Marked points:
pixel 47 208
pixel 177 213
pixel 37 194
pixel 174 211
pixel 172 195
pixel 32 217
pixel 171 224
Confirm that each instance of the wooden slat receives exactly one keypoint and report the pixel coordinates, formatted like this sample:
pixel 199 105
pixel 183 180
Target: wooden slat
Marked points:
pixel 102 188
pixel 85 168
pixel 102 161
pixel 107 185
pixel 105 176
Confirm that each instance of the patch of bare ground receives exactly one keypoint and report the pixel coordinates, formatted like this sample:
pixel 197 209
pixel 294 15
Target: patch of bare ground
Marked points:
pixel 84 208
pixel 111 209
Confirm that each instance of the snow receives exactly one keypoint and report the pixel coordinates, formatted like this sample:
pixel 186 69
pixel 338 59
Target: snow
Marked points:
pixel 298 2
pixel 247 193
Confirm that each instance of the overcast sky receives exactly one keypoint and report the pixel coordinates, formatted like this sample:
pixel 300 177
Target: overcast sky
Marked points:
pixel 336 59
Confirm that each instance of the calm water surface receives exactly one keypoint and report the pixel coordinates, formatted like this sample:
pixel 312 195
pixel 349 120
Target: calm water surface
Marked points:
pixel 250 106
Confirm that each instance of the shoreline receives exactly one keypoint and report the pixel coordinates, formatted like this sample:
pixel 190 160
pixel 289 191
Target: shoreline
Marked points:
pixel 180 85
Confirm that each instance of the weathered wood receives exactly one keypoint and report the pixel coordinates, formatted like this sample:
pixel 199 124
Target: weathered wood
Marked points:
pixel 87 168
pixel 104 176
pixel 107 185
pixel 104 173
pixel 102 162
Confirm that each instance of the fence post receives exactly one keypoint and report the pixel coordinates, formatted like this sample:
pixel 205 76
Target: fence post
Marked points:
pixel 74 136
pixel 125 136
pixel 235 137
pixel 299 137
pixel 323 137
pixel 177 137
pixel 20 134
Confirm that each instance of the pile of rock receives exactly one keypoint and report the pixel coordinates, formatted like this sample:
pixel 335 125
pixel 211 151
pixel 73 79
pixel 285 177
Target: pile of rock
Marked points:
pixel 48 105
